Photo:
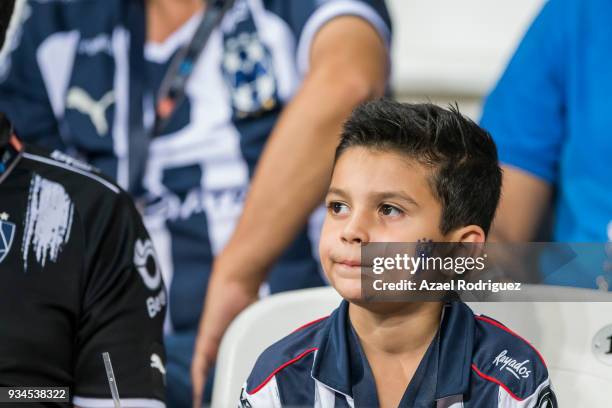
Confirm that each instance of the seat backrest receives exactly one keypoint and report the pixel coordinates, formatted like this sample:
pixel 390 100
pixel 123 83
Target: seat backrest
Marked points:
pixel 260 325
pixel 562 331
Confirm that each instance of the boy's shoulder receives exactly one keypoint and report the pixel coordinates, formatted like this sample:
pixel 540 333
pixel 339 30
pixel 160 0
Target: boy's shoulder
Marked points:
pixel 503 357
pixel 291 356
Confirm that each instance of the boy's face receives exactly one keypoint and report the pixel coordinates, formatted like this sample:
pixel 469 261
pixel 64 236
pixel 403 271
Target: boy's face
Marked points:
pixel 374 196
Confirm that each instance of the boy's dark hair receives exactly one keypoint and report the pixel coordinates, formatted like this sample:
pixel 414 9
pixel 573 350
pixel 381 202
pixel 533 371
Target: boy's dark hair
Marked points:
pixel 6 11
pixel 466 177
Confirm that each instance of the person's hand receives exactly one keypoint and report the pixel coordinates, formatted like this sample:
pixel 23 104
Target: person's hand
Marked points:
pixel 228 294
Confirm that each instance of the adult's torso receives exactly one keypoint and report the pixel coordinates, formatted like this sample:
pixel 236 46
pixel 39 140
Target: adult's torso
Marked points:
pixel 199 168
pixel 584 210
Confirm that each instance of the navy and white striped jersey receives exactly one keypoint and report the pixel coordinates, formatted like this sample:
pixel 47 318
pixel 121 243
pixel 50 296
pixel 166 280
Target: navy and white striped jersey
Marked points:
pixel 473 362
pixel 75 74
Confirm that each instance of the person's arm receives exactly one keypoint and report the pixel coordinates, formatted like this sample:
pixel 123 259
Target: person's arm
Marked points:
pixel 524 201
pixel 122 311
pixel 525 114
pixel 348 65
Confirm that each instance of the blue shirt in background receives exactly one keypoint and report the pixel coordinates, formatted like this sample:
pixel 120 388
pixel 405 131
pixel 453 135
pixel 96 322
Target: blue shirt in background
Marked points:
pixel 551 114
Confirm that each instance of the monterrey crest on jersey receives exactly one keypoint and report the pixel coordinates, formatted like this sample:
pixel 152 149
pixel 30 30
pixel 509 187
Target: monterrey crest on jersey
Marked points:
pixel 7 233
pixel 9 155
pixel 247 66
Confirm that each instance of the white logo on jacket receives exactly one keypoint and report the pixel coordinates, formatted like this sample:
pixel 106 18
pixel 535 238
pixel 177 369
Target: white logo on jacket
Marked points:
pixel 80 100
pixel 7 233
pixel 156 362
pixel 143 250
pixel 102 43
pixel 511 365
pixel 48 221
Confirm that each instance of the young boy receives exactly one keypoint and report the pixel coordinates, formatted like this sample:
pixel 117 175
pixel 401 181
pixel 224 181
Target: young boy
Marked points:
pixel 403 173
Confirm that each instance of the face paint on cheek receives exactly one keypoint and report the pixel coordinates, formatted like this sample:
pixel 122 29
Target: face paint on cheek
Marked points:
pixel 424 247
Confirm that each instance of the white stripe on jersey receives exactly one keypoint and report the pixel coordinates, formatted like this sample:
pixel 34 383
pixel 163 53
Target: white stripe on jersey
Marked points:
pixel 324 396
pixel 211 141
pixel 161 53
pixel 120 44
pixel 84 402
pixel 507 401
pixel 92 176
pixel 268 396
pixel 328 11
pixel 55 57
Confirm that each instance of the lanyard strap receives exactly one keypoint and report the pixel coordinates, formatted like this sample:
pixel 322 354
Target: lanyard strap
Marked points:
pixel 172 89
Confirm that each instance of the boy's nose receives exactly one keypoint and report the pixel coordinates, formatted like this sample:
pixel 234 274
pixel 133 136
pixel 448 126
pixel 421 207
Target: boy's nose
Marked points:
pixel 355 231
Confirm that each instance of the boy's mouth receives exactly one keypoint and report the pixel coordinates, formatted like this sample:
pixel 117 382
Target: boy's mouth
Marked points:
pixel 350 264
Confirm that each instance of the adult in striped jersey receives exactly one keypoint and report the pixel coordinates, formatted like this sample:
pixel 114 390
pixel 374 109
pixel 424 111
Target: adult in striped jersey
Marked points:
pixel 275 81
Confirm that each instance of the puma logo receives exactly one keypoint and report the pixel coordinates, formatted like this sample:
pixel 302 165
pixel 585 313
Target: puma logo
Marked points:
pixel 80 100
pixel 156 362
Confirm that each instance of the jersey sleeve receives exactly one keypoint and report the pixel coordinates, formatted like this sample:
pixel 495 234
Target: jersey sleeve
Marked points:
pixel 23 95
pixel 525 111
pixel 543 397
pixel 510 364
pixel 124 305
pixel 268 396
pixel 307 17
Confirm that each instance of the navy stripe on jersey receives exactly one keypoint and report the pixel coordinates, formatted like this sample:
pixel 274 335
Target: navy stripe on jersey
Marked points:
pixel 190 245
pixel 299 388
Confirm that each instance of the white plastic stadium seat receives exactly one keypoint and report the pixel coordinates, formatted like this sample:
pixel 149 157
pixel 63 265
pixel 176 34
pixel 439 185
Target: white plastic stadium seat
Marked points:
pixel 562 331
pixel 260 325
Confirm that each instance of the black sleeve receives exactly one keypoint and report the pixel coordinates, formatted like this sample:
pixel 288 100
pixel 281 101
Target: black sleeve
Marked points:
pixel 123 310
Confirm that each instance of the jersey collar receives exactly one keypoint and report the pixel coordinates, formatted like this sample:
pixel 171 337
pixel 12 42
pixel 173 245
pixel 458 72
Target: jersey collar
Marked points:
pixel 10 156
pixel 452 351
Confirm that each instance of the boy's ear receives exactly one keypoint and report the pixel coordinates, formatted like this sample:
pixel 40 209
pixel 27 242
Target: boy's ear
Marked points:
pixel 470 234
pixel 473 234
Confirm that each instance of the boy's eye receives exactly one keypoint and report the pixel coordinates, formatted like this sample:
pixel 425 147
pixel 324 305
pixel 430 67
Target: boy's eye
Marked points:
pixel 337 207
pixel 390 211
